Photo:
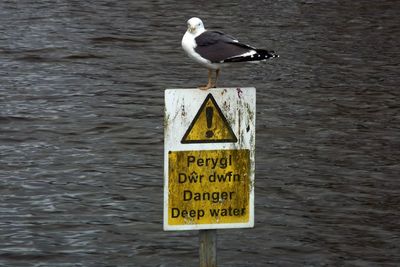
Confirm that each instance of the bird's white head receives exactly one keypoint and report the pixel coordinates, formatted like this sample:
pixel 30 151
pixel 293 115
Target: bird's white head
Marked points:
pixel 195 26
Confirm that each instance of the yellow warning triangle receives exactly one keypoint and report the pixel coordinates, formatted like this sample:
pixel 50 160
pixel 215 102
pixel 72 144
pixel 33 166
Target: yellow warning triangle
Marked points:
pixel 209 125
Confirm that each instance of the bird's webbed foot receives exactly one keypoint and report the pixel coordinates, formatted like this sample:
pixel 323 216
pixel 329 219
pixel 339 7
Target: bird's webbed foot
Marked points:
pixel 211 83
pixel 207 86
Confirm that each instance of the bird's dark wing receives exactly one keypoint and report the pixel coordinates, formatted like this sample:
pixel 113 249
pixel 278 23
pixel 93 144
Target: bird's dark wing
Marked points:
pixel 217 46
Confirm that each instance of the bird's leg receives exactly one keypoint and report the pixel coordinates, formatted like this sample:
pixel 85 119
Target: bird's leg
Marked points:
pixel 216 77
pixel 209 84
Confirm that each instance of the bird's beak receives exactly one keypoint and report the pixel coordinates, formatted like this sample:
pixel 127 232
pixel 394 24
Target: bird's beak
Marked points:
pixel 191 29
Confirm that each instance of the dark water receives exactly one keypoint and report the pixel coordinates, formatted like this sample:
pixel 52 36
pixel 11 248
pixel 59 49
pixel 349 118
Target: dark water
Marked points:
pixel 81 137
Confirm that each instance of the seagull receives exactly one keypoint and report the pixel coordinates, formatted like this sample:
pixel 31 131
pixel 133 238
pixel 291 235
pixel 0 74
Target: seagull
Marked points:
pixel 213 49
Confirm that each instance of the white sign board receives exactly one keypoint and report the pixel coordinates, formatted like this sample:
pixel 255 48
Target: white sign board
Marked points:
pixel 209 158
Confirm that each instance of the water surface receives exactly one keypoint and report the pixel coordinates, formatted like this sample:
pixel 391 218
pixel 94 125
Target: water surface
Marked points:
pixel 81 131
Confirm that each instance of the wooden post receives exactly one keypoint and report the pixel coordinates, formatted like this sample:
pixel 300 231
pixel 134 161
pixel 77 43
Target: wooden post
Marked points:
pixel 208 248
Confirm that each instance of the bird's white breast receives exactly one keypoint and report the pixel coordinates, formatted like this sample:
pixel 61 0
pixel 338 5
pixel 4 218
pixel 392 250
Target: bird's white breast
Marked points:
pixel 189 44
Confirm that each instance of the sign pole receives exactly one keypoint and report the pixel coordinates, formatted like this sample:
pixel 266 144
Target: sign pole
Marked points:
pixel 209 150
pixel 208 248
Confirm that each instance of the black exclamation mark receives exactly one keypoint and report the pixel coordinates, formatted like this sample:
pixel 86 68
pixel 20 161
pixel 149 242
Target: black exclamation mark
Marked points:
pixel 209 116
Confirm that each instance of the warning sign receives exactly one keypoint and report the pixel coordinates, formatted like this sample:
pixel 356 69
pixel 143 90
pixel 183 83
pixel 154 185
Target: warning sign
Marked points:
pixel 209 186
pixel 209 125
pixel 209 140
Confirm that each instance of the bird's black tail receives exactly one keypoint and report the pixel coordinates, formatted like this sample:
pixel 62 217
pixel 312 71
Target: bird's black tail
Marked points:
pixel 260 55
pixel 265 54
